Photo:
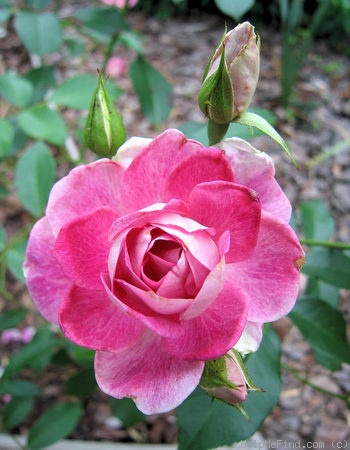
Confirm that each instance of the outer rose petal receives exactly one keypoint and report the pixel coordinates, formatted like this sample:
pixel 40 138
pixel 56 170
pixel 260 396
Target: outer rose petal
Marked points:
pixel 250 339
pixel 82 248
pixel 83 190
pixel 145 179
pixel 228 206
pixel 207 164
pixel 214 332
pixel 155 380
pixel 46 282
pixel 90 319
pixel 129 150
pixel 271 275
pixel 256 170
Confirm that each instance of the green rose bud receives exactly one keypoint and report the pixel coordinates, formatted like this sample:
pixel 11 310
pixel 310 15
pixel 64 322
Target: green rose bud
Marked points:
pixel 104 131
pixel 227 379
pixel 231 75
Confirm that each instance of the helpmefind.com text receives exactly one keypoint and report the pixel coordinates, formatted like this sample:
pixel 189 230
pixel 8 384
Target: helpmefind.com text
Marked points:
pixel 283 444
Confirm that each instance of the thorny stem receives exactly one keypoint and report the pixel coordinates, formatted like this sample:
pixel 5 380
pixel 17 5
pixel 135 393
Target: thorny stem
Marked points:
pixel 312 385
pixel 329 244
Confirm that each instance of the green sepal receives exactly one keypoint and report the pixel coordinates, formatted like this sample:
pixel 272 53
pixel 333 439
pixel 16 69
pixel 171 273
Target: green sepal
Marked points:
pixel 216 131
pixel 104 131
pixel 215 98
pixel 248 379
pixel 254 120
pixel 207 67
pixel 215 374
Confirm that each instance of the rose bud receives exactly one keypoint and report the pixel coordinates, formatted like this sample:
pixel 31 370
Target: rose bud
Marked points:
pixel 104 131
pixel 116 67
pixel 227 379
pixel 231 75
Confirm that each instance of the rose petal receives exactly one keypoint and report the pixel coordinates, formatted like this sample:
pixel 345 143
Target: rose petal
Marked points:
pixel 256 170
pixel 82 248
pixel 216 330
pixel 271 275
pixel 83 190
pixel 207 164
pixel 208 292
pixel 145 179
pixel 250 339
pixel 228 206
pixel 46 282
pixel 155 380
pixel 129 150
pixel 90 319
pixel 123 294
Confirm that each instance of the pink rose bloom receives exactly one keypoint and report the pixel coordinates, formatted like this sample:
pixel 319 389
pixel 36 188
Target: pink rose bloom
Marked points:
pixel 120 3
pixel 116 67
pixel 162 259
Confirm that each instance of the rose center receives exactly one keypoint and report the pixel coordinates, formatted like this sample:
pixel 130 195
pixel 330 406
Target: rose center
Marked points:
pixel 161 257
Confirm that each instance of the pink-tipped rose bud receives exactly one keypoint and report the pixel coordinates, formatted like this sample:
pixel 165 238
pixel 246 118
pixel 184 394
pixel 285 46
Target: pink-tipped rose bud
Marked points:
pixel 116 67
pixel 231 75
pixel 121 4
pixel 227 379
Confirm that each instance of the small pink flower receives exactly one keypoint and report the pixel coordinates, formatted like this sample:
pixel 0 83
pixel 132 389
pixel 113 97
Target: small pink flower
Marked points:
pixel 162 259
pixel 120 3
pixel 116 67
pixel 16 335
pixel 10 335
pixel 6 398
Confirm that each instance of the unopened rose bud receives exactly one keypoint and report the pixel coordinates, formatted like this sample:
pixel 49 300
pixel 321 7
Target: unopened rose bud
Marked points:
pixel 231 75
pixel 104 131
pixel 227 379
pixel 116 67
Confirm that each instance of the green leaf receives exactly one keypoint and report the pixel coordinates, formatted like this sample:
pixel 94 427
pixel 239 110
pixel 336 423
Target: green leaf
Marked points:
pixel 3 239
pixel 55 424
pixel 15 259
pixel 7 135
pixel 5 14
pixel 75 46
pixel 234 8
pixel 12 318
pixel 324 328
pixel 76 92
pixel 153 90
pixel 37 4
pixel 102 23
pixel 42 79
pixel 81 384
pixel 324 291
pixel 254 120
pixel 126 411
pixel 42 123
pixel 205 424
pixel 38 350
pixel 329 265
pixel 316 221
pixel 16 411
pixel 15 89
pixel 84 357
pixel 130 39
pixel 35 175
pixel 18 388
pixel 20 139
pixel 40 32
